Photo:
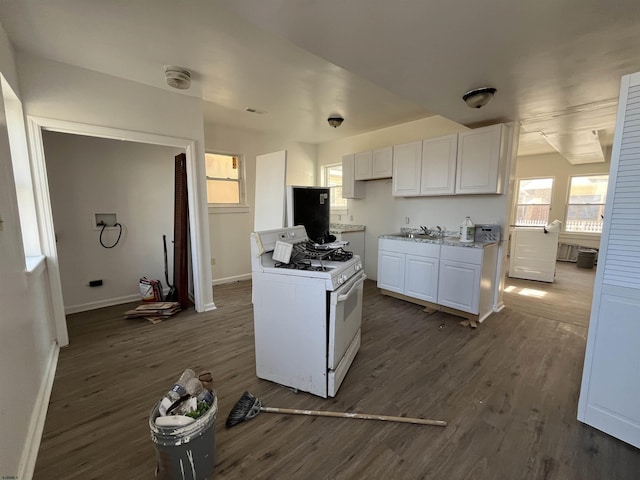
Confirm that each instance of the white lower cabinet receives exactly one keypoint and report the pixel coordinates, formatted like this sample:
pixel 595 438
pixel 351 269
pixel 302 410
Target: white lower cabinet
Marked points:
pixel 421 277
pixel 391 271
pixel 409 268
pixel 459 284
pixel 462 278
pixel 467 278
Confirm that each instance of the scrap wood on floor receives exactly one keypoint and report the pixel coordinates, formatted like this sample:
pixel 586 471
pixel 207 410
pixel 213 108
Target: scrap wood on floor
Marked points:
pixel 155 312
pixel 469 323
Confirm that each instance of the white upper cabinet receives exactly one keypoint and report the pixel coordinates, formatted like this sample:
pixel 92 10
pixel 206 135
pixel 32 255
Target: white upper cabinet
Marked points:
pixel 374 165
pixel 407 165
pixel 351 188
pixel 472 162
pixel 364 165
pixel 382 163
pixel 439 165
pixel 481 160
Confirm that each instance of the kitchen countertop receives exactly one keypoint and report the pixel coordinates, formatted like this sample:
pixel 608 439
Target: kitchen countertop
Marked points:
pixel 447 240
pixel 343 228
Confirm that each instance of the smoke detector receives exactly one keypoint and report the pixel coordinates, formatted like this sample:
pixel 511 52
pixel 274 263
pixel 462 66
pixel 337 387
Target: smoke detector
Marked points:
pixel 177 77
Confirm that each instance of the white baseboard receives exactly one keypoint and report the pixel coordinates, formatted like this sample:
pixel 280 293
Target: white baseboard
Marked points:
pixel 209 306
pixel 236 278
pixel 38 417
pixel 83 307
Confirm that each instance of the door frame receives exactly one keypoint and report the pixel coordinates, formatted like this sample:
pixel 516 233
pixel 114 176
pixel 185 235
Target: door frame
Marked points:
pixel 202 291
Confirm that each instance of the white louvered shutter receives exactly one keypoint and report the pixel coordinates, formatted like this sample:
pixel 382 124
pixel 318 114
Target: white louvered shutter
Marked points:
pixel 611 377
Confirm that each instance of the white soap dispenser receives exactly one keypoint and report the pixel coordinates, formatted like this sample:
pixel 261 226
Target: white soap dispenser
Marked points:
pixel 467 231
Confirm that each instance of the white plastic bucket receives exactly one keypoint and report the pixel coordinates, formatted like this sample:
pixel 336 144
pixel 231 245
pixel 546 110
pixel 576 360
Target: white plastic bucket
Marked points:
pixel 187 452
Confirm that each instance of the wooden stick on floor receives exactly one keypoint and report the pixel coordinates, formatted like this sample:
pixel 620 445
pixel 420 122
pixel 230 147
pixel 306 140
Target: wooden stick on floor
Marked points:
pixel 361 416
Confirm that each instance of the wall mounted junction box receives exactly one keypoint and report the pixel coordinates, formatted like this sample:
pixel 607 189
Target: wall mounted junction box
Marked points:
pixel 101 219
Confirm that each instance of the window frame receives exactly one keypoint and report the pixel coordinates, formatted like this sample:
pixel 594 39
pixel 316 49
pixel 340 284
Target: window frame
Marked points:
pixel 242 206
pixel 517 195
pixel 568 204
pixel 324 178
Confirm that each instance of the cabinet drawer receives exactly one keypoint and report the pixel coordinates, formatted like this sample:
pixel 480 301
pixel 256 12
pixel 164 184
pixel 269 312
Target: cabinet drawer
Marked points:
pixel 462 254
pixel 412 248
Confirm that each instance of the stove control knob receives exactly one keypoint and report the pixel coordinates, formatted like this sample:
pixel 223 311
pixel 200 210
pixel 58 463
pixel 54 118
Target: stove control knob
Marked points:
pixel 358 266
pixel 341 279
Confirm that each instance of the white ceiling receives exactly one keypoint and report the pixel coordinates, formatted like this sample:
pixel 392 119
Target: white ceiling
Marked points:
pixel 556 64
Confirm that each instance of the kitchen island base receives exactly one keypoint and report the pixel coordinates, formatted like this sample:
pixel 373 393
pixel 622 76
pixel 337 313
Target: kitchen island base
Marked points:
pixel 431 308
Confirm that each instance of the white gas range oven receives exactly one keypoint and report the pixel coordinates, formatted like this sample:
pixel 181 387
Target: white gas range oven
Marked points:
pixel 307 310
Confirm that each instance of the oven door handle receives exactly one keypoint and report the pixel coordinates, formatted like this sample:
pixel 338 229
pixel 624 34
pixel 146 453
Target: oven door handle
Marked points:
pixel 344 296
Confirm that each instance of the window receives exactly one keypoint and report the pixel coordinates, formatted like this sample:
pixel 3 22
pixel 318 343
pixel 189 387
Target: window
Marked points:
pixel 332 177
pixel 225 179
pixel 585 208
pixel 533 201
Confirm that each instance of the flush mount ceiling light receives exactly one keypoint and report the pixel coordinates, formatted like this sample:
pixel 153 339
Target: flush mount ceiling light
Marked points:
pixel 335 120
pixel 177 77
pixel 479 97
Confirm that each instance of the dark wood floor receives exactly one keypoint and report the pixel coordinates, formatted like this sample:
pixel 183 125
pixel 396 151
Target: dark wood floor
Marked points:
pixel 508 389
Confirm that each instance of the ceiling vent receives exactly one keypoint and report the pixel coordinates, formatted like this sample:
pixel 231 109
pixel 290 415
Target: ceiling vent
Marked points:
pixel 177 77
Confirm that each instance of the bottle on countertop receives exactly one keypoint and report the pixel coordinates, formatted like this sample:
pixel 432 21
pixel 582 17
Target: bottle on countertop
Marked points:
pixel 177 392
pixel 467 231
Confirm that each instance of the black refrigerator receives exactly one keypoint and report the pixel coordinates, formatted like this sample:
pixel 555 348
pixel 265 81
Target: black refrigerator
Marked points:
pixel 309 206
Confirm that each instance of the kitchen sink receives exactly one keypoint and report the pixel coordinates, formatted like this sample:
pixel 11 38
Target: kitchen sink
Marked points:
pixel 418 235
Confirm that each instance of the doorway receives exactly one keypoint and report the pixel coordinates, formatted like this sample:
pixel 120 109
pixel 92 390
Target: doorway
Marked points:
pixel 202 291
pixel 132 186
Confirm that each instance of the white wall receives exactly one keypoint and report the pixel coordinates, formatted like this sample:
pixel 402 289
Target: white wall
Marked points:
pixel 382 213
pixel 230 232
pixel 90 175
pixel 556 166
pixel 26 338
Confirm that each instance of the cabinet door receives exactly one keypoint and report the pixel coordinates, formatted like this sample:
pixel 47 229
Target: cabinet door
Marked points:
pixel 439 165
pixel 481 160
pixel 406 169
pixel 363 166
pixel 421 278
pixel 459 285
pixel 391 271
pixel 350 187
pixel 382 163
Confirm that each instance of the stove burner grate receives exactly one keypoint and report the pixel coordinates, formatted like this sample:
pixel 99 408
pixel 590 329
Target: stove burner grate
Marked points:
pixel 308 250
pixel 304 256
pixel 303 265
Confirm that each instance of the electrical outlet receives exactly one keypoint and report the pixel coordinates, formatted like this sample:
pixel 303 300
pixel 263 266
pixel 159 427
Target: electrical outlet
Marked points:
pixel 406 220
pixel 213 261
